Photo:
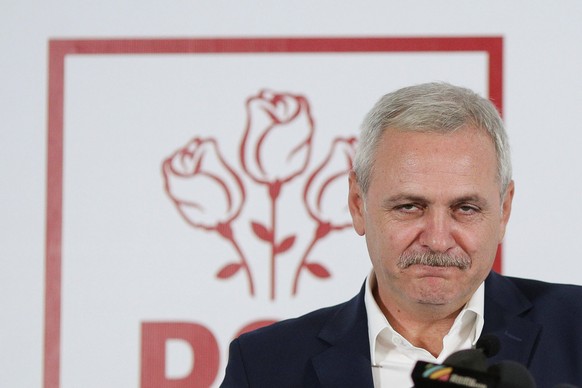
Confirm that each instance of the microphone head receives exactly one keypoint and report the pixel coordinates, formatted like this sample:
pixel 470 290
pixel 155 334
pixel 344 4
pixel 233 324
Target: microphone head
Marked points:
pixel 472 359
pixel 512 375
pixel 489 344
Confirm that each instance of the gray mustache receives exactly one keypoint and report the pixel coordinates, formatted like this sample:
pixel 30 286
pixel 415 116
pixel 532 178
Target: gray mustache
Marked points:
pixel 433 259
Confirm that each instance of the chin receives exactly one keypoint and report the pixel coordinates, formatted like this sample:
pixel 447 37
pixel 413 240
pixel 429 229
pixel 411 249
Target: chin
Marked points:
pixel 435 296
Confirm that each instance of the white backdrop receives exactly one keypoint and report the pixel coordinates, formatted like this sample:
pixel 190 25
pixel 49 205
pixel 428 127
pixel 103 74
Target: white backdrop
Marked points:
pixel 542 98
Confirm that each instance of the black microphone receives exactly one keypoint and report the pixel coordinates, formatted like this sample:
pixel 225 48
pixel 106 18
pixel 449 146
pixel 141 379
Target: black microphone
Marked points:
pixel 476 359
pixel 489 344
pixel 565 386
pixel 512 374
pixel 468 368
pixel 473 359
pixel 465 368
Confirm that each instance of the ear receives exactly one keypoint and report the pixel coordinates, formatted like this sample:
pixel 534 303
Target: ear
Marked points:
pixel 356 204
pixel 506 209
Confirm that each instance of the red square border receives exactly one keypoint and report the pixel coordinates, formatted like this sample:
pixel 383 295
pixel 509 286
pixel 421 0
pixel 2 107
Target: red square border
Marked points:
pixel 60 49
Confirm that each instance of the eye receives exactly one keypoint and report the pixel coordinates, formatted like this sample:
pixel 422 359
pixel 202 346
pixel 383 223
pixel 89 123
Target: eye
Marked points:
pixel 408 208
pixel 467 209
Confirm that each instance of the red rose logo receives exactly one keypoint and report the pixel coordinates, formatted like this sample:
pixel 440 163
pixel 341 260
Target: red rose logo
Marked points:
pixel 275 149
pixel 207 193
pixel 329 211
pixel 276 145
pixel 319 194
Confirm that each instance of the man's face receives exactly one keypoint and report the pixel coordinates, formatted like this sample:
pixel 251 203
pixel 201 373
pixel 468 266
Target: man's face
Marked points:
pixel 431 193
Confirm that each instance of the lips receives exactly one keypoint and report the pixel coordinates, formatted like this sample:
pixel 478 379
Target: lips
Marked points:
pixel 432 271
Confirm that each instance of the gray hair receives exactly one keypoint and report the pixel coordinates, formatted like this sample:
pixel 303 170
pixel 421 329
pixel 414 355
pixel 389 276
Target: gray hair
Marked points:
pixel 431 107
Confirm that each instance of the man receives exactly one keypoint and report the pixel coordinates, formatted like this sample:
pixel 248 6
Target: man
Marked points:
pixel 431 191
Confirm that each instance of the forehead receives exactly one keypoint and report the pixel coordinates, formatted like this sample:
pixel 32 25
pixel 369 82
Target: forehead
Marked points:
pixel 463 158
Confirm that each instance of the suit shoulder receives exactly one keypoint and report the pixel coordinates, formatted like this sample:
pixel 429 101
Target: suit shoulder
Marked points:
pixel 306 325
pixel 536 290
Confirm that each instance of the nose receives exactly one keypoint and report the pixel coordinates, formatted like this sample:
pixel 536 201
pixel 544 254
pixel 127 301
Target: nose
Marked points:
pixel 437 231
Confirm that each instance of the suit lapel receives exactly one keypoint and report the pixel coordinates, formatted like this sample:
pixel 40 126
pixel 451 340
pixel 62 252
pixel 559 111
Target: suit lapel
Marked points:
pixel 346 363
pixel 506 309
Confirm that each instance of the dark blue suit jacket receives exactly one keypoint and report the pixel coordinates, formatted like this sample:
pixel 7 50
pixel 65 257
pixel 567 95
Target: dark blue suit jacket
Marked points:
pixel 538 324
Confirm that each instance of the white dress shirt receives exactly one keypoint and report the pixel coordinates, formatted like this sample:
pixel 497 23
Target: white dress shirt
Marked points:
pixel 393 357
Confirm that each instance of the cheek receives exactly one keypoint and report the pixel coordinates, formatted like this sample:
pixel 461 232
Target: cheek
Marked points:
pixel 390 240
pixel 480 245
pixel 403 237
